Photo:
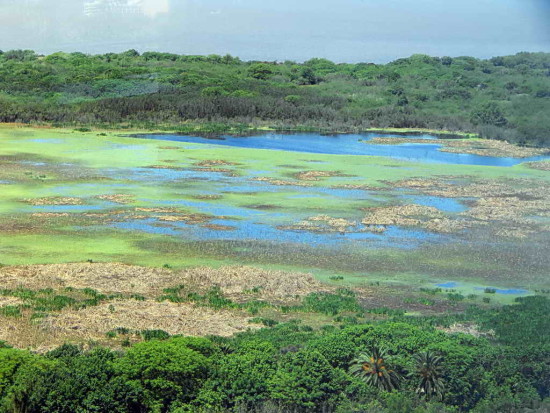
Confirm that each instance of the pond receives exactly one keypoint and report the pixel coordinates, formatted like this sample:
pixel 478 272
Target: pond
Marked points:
pixel 349 144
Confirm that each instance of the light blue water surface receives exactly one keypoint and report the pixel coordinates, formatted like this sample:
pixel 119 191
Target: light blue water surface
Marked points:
pixel 350 144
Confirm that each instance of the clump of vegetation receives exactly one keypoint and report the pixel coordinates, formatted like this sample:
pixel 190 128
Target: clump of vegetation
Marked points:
pixel 47 300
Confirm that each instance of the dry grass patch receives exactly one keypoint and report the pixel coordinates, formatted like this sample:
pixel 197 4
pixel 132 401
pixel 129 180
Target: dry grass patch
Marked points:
pixel 281 182
pixel 92 323
pixel 513 204
pixel 157 210
pixel 22 333
pixel 236 282
pixel 413 215
pixel 54 201
pixel 208 197
pixel 540 165
pixel 219 227
pixel 150 282
pixel 117 198
pixel 316 175
pixel 106 278
pixel 50 215
pixel 322 223
pixel 483 147
pixel 362 187
pixel 5 301
pixel 187 218
pixel 175 318
pixel 215 162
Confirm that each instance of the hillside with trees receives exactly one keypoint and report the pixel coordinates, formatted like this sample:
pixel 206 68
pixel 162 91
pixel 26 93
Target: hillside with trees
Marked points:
pixel 500 98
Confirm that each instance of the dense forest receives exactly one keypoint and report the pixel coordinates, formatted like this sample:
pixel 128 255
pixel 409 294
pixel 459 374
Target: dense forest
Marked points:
pixel 500 98
pixel 397 364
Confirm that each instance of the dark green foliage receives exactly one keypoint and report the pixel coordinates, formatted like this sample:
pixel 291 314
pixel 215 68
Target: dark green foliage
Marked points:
pixel 305 380
pixel 331 304
pixel 165 372
pixel 488 114
pixel 293 367
pixel 260 70
pixel 527 322
pixel 268 322
pixel 154 335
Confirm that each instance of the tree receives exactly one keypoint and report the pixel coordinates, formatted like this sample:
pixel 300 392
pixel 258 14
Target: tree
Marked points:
pixel 488 114
pixel 306 380
pixel 446 60
pixel 373 370
pixel 308 76
pixel 165 372
pixel 260 71
pixel 428 368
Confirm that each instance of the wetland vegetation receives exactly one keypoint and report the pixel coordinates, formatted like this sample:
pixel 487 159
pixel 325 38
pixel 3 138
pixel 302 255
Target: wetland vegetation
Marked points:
pixel 201 234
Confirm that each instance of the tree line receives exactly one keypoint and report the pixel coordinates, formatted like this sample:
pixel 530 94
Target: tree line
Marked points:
pixel 504 97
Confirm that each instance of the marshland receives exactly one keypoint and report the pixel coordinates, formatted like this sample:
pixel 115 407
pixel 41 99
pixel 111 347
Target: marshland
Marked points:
pixel 257 250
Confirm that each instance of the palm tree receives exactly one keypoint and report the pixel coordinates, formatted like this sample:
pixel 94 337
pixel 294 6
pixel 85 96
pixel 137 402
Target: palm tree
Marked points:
pixel 373 370
pixel 428 368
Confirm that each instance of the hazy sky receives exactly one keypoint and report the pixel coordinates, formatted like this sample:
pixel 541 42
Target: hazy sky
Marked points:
pixel 341 30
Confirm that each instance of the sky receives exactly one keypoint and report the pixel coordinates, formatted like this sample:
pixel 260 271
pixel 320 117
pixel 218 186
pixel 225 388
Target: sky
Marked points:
pixel 341 30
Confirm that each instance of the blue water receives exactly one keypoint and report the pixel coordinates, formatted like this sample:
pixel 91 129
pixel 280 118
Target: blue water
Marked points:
pixel 350 144
pixel 443 204
pixel 247 229
pixel 447 285
pixel 47 140
pixel 509 291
